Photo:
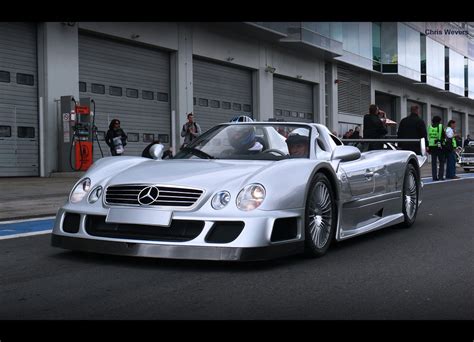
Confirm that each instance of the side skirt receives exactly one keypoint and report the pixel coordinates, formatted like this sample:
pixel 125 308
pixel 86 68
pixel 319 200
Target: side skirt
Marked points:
pixel 382 223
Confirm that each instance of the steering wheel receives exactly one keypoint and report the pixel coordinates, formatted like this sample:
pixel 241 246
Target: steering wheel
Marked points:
pixel 274 150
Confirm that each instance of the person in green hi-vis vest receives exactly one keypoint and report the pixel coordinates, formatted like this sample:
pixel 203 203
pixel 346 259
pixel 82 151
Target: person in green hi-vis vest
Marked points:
pixel 436 142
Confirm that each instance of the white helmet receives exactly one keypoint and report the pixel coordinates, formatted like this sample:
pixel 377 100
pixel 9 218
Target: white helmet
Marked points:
pixel 241 118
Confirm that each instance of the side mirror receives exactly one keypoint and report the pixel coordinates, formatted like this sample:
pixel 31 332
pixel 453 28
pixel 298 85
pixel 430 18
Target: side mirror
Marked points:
pixel 156 151
pixel 345 153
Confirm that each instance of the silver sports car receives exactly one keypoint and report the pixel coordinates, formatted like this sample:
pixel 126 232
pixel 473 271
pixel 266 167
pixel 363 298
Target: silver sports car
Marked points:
pixel 241 191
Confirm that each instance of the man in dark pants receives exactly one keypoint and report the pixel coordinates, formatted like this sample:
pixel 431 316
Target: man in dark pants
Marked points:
pixel 451 145
pixel 412 127
pixel 436 139
pixel 374 128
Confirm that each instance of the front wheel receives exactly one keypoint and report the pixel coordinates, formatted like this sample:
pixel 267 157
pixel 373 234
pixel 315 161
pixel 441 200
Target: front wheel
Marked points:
pixel 411 191
pixel 320 216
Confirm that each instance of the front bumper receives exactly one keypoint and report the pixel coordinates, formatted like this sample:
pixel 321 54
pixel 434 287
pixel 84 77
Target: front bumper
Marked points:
pixel 253 242
pixel 177 251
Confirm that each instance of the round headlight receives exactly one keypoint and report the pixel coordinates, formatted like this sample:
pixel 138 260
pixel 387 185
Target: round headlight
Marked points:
pixel 80 190
pixel 95 194
pixel 220 200
pixel 250 197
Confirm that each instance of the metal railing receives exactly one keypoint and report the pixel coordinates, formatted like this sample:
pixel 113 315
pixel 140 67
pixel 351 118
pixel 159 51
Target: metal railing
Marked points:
pixel 391 142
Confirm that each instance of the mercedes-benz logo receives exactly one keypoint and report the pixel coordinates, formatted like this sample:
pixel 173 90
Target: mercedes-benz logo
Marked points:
pixel 148 195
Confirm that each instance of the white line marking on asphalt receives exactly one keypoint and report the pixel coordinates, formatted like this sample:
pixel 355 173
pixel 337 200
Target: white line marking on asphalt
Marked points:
pixel 27 220
pixel 25 234
pixel 428 180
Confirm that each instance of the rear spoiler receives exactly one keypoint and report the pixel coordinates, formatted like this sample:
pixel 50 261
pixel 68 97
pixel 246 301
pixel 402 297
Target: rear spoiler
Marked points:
pixel 392 144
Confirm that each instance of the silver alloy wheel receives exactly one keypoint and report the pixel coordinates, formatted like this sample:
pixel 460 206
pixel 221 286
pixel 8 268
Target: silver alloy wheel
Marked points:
pixel 410 194
pixel 320 215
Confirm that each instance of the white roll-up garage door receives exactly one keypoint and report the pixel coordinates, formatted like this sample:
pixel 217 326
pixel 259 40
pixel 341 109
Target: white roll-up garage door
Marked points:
pixel 292 100
pixel 130 83
pixel 353 91
pixel 18 100
pixel 220 93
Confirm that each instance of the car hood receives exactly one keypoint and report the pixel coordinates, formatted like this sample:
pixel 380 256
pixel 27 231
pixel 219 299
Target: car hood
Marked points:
pixel 189 172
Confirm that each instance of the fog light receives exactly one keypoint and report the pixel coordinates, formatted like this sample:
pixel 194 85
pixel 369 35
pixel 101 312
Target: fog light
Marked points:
pixel 220 200
pixel 95 194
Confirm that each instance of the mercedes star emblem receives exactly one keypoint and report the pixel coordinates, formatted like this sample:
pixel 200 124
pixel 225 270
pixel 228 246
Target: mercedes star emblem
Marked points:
pixel 148 195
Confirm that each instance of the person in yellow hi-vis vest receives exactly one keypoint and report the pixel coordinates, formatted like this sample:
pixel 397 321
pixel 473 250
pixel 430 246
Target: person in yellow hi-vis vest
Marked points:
pixel 436 142
pixel 450 154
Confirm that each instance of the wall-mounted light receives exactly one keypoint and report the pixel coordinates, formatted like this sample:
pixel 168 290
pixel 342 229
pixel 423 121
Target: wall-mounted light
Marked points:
pixel 230 59
pixel 336 81
pixel 69 23
pixel 299 77
pixel 135 36
pixel 406 96
pixel 270 69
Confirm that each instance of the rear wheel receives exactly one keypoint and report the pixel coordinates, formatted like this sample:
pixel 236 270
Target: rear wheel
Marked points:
pixel 410 194
pixel 467 170
pixel 320 216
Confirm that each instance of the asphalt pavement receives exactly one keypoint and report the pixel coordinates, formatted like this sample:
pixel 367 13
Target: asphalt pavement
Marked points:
pixel 421 273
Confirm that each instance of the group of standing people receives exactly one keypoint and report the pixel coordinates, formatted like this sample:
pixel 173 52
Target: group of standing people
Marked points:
pixel 442 144
pixel 441 141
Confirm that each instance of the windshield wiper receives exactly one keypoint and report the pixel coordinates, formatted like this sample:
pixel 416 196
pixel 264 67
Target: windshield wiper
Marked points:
pixel 199 153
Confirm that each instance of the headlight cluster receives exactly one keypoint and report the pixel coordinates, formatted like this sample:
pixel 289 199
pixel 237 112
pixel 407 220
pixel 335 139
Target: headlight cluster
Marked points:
pixel 80 190
pixel 249 198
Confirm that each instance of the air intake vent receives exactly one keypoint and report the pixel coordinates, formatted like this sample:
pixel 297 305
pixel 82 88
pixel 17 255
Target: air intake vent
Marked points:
pixel 178 231
pixel 151 195
pixel 71 223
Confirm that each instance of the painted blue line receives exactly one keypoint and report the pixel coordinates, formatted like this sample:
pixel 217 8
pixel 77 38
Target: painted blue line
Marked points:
pixel 25 227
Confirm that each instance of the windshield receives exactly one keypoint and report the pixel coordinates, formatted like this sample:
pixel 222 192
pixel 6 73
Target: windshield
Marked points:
pixel 250 141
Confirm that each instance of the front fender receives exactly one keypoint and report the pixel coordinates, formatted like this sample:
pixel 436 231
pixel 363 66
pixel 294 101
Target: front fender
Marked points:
pixel 287 182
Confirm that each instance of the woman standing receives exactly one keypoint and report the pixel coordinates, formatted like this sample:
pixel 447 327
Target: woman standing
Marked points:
pixel 116 138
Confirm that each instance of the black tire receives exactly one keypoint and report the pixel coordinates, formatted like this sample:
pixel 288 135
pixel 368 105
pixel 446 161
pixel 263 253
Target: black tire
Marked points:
pixel 467 170
pixel 320 216
pixel 410 196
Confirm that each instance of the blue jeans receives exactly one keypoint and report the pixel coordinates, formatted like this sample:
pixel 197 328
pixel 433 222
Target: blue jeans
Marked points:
pixel 451 165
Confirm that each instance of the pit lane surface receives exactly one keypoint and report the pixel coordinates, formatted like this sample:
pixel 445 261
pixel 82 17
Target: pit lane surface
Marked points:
pixel 424 272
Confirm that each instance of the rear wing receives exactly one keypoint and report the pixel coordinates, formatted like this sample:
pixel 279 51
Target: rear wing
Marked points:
pixel 389 144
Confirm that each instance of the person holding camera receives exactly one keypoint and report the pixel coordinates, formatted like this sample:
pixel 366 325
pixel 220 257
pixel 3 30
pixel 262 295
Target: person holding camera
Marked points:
pixel 190 131
pixel 116 138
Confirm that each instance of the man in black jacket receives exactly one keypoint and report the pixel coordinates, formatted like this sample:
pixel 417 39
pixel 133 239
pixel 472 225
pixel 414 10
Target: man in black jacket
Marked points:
pixel 374 128
pixel 412 127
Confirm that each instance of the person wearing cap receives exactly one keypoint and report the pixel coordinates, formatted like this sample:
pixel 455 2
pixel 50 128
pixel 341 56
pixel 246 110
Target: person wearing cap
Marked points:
pixel 298 143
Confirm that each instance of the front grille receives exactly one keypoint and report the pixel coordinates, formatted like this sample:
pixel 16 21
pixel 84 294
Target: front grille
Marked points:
pixel 168 196
pixel 178 231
